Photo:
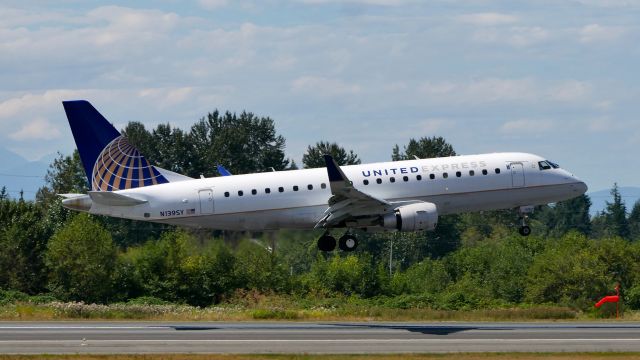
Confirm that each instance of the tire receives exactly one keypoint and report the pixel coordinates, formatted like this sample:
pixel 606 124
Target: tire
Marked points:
pixel 326 243
pixel 525 230
pixel 348 243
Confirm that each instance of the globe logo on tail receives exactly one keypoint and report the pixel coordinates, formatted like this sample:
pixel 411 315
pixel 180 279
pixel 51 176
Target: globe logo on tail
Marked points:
pixel 121 166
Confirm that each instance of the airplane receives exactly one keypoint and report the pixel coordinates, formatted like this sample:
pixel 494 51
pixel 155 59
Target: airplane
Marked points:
pixel 406 195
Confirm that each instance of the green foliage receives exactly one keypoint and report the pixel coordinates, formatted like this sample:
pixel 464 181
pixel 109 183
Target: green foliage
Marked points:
pixel 260 269
pixel 569 215
pixel 613 221
pixel 634 222
pixel 348 275
pixel 81 259
pixel 313 158
pixel 569 272
pixel 23 237
pixel 243 143
pixel 424 148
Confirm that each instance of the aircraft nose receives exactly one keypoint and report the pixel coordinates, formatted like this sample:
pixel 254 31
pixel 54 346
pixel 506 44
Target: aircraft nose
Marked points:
pixel 580 187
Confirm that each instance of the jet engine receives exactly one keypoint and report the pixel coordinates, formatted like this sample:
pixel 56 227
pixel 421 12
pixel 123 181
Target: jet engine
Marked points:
pixel 414 217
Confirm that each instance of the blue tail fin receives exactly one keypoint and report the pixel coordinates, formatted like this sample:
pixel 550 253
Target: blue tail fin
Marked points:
pixel 109 161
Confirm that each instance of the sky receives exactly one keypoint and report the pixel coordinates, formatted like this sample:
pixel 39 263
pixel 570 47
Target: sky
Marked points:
pixel 555 78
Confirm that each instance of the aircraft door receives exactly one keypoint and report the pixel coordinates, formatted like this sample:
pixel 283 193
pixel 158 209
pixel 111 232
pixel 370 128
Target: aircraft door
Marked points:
pixel 517 174
pixel 206 201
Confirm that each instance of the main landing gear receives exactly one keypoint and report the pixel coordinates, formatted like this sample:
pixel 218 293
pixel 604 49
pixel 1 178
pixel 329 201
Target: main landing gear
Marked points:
pixel 347 242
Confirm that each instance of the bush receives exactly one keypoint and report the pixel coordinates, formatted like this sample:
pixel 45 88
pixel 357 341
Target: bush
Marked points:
pixel 12 296
pixel 81 259
pixel 568 272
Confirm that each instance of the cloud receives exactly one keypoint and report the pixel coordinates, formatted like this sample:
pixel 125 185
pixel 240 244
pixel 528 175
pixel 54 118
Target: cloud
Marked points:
pixel 487 19
pixel 597 33
pixel 570 91
pixel 506 90
pixel 323 87
pixel 526 126
pixel 212 4
pixel 514 36
pixel 431 126
pixel 38 129
pixel 487 90
pixel 361 2
pixel 15 106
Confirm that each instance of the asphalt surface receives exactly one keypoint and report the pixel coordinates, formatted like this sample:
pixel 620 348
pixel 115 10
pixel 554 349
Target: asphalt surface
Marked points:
pixel 295 337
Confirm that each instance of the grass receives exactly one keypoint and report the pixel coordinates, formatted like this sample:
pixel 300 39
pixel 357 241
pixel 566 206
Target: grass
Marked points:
pixel 267 311
pixel 469 356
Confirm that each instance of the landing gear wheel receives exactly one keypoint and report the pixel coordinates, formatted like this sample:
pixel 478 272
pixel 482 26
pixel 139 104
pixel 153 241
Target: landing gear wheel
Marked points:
pixel 524 230
pixel 348 242
pixel 326 243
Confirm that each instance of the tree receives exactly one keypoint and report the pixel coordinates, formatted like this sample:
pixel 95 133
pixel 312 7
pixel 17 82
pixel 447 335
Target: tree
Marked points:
pixel 569 271
pixel 634 221
pixel 446 237
pixel 613 220
pixel 243 143
pixel 424 148
pixel 313 158
pixel 65 175
pixel 569 215
pixel 23 240
pixel 81 260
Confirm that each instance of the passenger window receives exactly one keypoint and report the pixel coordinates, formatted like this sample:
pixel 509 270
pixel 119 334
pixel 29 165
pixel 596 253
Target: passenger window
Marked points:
pixel 240 193
pixel 365 181
pixel 405 178
pixel 254 191
pixel 295 188
pixel 497 171
pixel 267 190
pixel 471 172
pixel 392 179
pixel 458 174
pixel 280 189
pixel 418 177
pixel 484 172
pixel 310 187
pixel 226 194
pixel 323 186
pixel 379 181
pixel 445 175
pixel 432 176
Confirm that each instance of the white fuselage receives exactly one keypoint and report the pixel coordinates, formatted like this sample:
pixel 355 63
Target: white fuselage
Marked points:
pixel 241 202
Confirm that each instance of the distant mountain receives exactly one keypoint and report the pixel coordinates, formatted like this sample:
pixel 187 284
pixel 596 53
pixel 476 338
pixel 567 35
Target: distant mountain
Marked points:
pixel 17 173
pixel 10 159
pixel 630 195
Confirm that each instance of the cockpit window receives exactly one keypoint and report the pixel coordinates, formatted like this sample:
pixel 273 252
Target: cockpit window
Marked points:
pixel 546 165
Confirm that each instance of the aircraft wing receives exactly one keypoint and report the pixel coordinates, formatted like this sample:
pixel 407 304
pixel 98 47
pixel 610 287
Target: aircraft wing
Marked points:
pixel 349 206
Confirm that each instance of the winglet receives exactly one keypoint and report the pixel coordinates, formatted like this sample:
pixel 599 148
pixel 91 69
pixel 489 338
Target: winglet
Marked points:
pixel 337 179
pixel 334 171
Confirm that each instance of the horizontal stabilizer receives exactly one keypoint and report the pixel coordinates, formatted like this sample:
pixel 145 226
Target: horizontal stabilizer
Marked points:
pixel 114 199
pixel 172 176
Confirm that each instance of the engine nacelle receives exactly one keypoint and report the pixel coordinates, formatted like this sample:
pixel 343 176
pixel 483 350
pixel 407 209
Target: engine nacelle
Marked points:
pixel 413 217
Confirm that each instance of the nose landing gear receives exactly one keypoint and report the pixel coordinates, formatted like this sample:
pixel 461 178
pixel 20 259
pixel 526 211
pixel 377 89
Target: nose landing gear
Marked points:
pixel 525 230
pixel 347 242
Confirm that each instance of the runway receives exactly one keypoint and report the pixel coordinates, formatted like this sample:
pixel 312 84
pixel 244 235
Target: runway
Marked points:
pixel 296 337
